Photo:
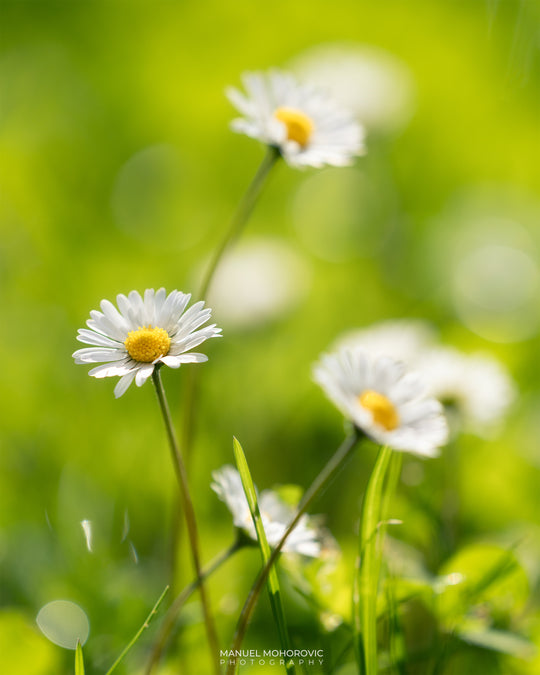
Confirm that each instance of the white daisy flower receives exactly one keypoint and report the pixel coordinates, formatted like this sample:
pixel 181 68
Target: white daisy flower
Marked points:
pixel 475 387
pixel 307 127
pixel 275 514
pixel 382 400
pixel 142 333
pixel 401 339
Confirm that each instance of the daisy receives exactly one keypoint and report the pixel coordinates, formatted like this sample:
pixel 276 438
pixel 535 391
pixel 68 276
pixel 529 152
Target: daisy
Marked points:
pixel 475 388
pixel 144 332
pixel 306 126
pixel 275 514
pixel 383 401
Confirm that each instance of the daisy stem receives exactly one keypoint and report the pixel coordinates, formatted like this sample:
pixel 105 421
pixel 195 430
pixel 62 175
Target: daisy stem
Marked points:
pixel 236 225
pixel 241 216
pixel 180 600
pixel 370 561
pixel 329 471
pixel 189 513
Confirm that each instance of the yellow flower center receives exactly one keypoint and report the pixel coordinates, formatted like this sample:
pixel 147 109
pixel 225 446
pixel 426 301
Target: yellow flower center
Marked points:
pixel 299 126
pixel 146 344
pixel 383 411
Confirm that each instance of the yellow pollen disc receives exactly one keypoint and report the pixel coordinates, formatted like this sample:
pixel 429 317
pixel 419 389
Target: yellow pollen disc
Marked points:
pixel 299 126
pixel 146 344
pixel 383 411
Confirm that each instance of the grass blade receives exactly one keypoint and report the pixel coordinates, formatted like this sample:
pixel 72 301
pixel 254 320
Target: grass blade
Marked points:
pixel 139 632
pixel 79 661
pixel 273 582
pixel 370 554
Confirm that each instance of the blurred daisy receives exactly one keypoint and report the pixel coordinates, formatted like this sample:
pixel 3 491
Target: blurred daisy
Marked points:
pixel 474 388
pixel 372 83
pixel 307 127
pixel 387 404
pixel 276 514
pixel 142 333
pixel 402 339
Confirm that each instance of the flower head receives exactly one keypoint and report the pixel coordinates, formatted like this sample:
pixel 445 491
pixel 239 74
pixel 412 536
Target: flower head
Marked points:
pixel 142 333
pixel 475 387
pixel 275 514
pixel 307 127
pixel 382 400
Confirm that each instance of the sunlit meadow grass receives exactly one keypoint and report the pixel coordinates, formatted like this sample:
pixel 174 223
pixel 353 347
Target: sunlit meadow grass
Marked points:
pixel 119 173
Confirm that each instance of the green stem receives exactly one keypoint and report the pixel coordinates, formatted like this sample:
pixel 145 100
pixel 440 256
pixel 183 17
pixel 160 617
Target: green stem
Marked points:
pixel 370 561
pixel 139 632
pixel 325 476
pixel 176 607
pixel 241 215
pixel 189 514
pixel 236 225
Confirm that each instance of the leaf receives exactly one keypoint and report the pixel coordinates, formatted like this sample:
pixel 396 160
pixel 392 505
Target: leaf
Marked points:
pixel 499 641
pixel 79 661
pixel 369 564
pixel 480 574
pixel 273 582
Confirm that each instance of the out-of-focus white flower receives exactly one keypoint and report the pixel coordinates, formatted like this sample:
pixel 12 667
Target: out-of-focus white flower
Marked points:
pixel 143 333
pixel 372 83
pixel 307 126
pixel 401 339
pixel 382 400
pixel 275 514
pixel 258 281
pixel 476 387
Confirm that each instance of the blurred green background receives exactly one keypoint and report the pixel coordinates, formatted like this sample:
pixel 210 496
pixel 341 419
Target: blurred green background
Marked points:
pixel 119 172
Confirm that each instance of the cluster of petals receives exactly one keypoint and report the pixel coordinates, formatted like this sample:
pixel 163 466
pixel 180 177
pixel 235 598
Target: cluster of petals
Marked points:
pixel 402 416
pixel 475 388
pixel 109 329
pixel 331 136
pixel 275 513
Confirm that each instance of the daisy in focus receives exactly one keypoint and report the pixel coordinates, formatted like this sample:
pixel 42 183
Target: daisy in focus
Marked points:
pixel 143 333
pixel 306 126
pixel 275 514
pixel 383 401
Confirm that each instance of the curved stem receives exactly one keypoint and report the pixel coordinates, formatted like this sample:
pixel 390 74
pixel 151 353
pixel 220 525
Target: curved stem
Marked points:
pixel 241 216
pixel 176 607
pixel 236 225
pixel 189 514
pixel 328 472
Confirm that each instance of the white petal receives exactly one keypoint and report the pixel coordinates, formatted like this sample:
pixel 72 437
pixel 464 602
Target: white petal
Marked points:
pixel 143 373
pixel 90 337
pixel 98 355
pixel 124 383
pixel 107 370
pixel 192 357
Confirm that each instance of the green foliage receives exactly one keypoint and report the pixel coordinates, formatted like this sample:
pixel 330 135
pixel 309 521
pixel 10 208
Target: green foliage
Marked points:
pixel 274 591
pixel 119 171
pixel 79 660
